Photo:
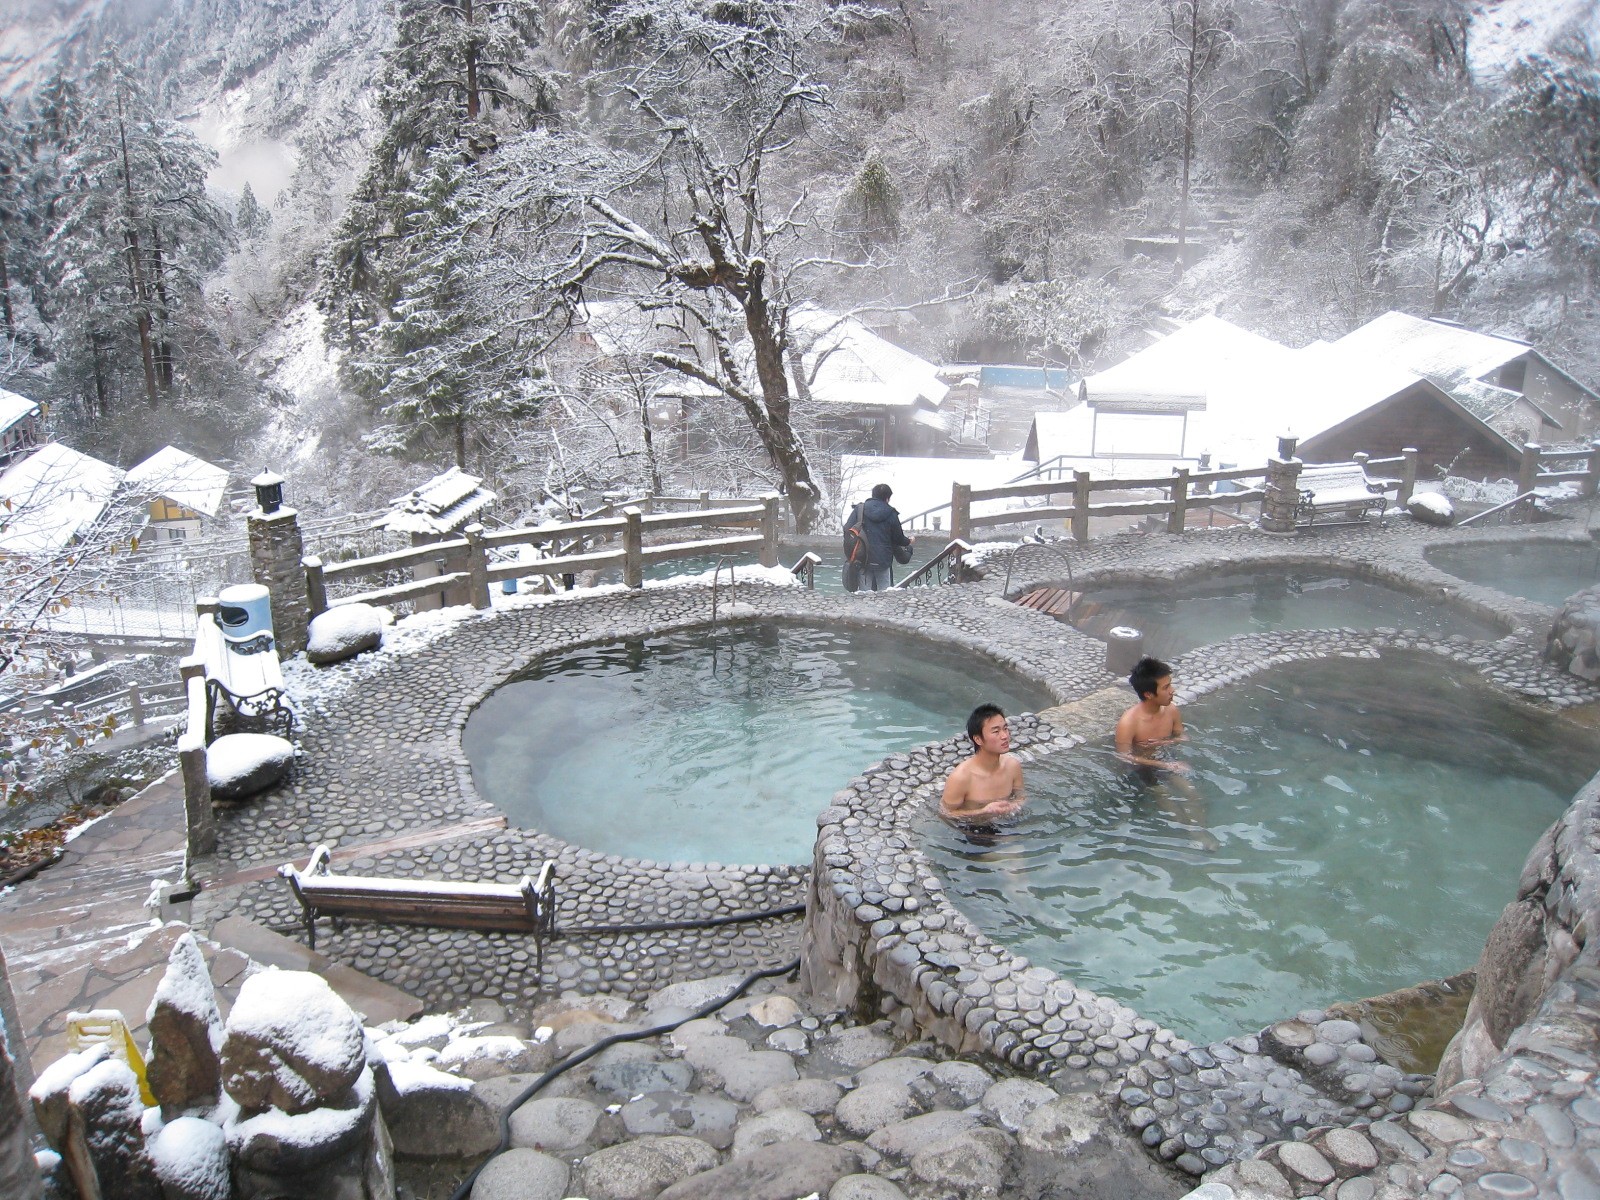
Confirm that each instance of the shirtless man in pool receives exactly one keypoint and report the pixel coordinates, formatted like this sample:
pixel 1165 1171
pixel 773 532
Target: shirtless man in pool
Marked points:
pixel 1149 725
pixel 988 786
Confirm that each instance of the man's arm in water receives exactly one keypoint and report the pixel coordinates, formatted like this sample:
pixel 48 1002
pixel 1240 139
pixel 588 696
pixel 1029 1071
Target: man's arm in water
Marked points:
pixel 1127 753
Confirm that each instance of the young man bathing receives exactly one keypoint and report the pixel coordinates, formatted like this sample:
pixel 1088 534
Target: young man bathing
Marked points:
pixel 987 787
pixel 1146 728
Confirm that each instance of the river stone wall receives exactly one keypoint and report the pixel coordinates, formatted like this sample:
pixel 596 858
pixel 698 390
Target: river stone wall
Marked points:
pixel 882 939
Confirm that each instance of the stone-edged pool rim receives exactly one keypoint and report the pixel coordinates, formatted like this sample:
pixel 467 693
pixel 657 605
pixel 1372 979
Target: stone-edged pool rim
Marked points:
pixel 854 622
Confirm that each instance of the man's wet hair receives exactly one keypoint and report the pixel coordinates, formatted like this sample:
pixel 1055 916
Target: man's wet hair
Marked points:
pixel 979 716
pixel 1147 675
pixel 882 492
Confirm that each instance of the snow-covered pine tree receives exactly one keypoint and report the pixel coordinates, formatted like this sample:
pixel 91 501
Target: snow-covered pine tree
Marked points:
pixel 459 75
pixel 133 230
pixel 441 362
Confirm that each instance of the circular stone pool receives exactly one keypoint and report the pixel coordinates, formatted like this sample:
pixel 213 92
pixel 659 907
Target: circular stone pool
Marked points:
pixel 718 746
pixel 1180 616
pixel 1544 572
pixel 1371 817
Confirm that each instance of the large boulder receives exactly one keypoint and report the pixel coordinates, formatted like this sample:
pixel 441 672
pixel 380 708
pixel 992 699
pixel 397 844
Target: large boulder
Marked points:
pixel 242 764
pixel 191 1160
pixel 291 1043
pixel 1574 641
pixel 343 632
pixel 107 1108
pixel 1431 508
pixel 434 1115
pixel 185 1032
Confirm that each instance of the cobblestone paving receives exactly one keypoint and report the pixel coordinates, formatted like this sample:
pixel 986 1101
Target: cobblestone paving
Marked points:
pixel 383 756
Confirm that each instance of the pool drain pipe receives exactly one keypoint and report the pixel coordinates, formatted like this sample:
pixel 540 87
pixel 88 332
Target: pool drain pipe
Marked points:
pixel 788 910
pixel 588 1052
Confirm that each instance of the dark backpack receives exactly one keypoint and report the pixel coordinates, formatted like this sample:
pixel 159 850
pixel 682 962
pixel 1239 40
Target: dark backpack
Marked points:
pixel 855 549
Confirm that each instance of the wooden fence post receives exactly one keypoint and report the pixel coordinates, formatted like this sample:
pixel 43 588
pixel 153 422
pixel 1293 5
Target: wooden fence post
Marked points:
pixel 705 501
pixel 1080 507
pixel 1180 500
pixel 633 547
pixel 1591 485
pixel 135 706
pixel 316 585
pixel 1530 468
pixel 961 511
pixel 477 565
pixel 769 530
pixel 1408 475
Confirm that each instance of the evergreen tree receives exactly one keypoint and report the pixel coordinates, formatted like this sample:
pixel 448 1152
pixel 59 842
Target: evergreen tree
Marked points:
pixel 252 218
pixel 439 364
pixel 134 232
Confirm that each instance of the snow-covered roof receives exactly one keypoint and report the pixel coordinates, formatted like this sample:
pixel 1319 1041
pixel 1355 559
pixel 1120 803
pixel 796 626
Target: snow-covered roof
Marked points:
pixel 444 504
pixel 182 478
pixel 1429 347
pixel 1208 362
pixel 848 364
pixel 14 408
pixel 52 496
pixel 623 326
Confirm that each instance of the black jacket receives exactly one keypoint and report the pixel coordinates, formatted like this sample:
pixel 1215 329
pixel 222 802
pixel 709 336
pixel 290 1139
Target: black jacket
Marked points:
pixel 881 523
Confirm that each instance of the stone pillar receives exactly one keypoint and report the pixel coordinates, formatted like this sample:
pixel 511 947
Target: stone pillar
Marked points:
pixel 275 562
pixel 19 1176
pixel 1283 495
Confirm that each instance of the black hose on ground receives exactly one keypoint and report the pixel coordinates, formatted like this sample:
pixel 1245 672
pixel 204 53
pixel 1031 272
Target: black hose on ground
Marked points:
pixel 788 910
pixel 588 1052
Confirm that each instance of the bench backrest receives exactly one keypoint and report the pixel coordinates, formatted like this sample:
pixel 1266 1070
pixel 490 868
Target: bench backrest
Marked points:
pixel 241 675
pixel 1336 477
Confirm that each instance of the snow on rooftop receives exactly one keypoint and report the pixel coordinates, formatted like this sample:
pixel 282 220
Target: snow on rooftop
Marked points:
pixel 52 496
pixel 182 478
pixel 1210 360
pixel 445 504
pixel 14 408
pixel 1429 347
pixel 849 364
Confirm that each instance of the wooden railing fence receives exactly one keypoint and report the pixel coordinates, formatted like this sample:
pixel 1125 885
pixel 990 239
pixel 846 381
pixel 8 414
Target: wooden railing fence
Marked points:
pixel 467 561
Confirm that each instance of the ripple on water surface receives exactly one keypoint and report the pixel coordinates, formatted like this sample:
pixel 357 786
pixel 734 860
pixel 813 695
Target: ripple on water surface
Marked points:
pixel 1179 617
pixel 1372 821
pixel 720 747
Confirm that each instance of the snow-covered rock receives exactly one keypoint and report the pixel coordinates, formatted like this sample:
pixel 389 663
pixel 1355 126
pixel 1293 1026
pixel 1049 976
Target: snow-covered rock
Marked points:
pixel 191 1160
pixel 108 1109
pixel 486 1057
pixel 185 1031
pixel 1431 508
pixel 49 1090
pixel 432 1114
pixel 279 1143
pixel 344 632
pixel 291 1043
pixel 242 764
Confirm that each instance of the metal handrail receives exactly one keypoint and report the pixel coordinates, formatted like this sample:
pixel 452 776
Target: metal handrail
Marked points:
pixel 1498 508
pixel 806 567
pixel 716 579
pixel 1058 550
pixel 949 554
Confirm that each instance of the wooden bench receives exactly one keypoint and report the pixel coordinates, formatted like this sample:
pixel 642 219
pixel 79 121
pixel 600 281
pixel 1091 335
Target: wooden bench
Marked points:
pixel 251 682
pixel 1333 488
pixel 528 906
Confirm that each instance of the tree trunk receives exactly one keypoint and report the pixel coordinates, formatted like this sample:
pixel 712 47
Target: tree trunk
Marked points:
pixel 5 292
pixel 136 281
pixel 775 428
pixel 461 442
pixel 163 346
pixel 1188 127
pixel 649 446
pixel 473 103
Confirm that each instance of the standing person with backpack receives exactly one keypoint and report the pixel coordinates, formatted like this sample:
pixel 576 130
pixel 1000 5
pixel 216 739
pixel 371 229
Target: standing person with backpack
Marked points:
pixel 885 542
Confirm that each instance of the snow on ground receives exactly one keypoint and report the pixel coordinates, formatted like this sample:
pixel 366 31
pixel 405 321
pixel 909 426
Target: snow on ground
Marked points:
pixel 314 688
pixel 1504 32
